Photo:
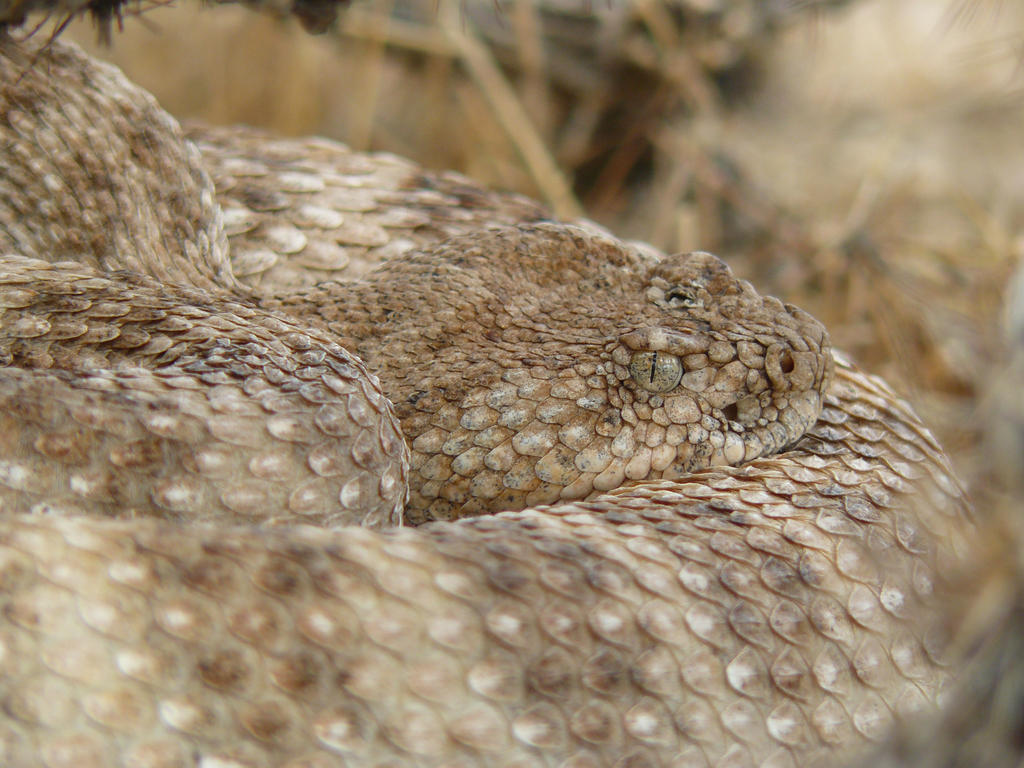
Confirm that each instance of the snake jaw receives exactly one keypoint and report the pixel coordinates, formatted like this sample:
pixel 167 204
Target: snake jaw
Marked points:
pixel 734 374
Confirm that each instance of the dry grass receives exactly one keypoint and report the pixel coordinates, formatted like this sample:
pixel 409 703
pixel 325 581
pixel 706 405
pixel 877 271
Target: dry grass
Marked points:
pixel 865 163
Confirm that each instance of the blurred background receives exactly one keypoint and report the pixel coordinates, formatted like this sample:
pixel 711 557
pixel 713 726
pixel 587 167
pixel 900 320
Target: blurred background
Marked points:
pixel 862 159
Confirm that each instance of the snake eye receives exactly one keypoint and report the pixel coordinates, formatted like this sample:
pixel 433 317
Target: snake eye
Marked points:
pixel 681 296
pixel 656 371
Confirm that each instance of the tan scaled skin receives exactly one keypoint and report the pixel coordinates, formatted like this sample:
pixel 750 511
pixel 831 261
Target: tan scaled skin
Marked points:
pixel 536 364
pixel 982 718
pixel 152 400
pixel 782 612
pixel 513 357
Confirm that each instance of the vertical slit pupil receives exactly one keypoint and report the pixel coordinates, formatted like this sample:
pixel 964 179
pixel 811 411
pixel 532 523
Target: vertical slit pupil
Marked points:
pixel 654 366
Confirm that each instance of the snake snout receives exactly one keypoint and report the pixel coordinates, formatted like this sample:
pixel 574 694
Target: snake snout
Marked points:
pixel 790 370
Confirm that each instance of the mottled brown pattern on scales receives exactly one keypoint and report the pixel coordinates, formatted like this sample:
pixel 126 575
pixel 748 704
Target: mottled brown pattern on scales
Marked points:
pixel 301 211
pixel 779 612
pixel 513 357
pixel 762 615
pixel 130 398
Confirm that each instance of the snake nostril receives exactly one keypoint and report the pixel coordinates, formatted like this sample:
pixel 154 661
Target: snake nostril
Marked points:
pixel 786 362
pixel 731 412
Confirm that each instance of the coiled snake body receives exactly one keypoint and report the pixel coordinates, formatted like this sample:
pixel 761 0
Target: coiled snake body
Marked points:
pixel 668 609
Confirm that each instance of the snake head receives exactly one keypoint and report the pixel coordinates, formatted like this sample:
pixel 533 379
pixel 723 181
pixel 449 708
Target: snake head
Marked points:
pixel 548 361
pixel 724 377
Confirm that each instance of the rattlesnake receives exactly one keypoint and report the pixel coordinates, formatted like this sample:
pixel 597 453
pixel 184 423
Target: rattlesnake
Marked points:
pixel 695 613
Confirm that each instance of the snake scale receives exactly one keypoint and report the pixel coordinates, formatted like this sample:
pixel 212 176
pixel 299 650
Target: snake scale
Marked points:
pixel 721 544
